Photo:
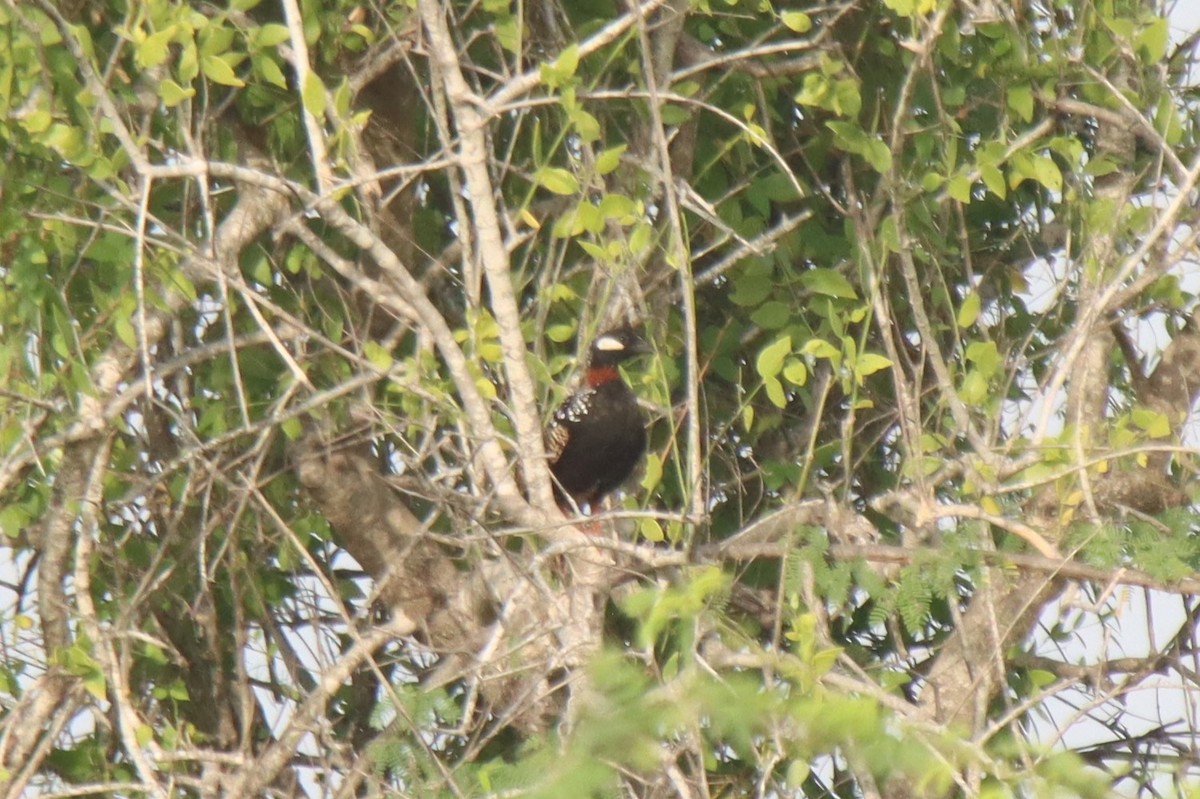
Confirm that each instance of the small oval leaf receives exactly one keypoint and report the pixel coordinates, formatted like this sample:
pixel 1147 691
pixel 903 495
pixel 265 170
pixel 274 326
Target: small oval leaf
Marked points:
pixel 557 180
pixel 770 358
pixel 218 71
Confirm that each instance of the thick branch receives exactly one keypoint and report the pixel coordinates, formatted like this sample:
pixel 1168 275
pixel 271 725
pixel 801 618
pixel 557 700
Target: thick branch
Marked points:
pixel 1173 387
pixel 413 576
pixel 496 623
pixel 473 160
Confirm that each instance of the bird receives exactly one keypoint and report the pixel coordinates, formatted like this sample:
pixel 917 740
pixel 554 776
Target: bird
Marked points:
pixel 598 434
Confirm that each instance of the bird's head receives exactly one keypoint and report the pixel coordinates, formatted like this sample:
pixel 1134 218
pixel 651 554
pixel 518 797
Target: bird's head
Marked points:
pixel 616 345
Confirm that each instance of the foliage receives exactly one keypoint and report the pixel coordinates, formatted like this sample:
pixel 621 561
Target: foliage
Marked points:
pixel 288 291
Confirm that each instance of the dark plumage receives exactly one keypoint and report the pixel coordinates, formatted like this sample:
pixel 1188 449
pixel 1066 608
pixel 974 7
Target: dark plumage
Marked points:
pixel 598 434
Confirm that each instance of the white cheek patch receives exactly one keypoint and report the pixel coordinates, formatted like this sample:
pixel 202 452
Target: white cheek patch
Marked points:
pixel 609 344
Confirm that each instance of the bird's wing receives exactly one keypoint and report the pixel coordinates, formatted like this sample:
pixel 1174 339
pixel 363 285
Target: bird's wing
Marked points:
pixel 557 436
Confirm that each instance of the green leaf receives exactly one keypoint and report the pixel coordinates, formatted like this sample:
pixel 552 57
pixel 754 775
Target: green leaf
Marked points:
pixel 753 287
pixel 377 355
pixel 94 684
pixel 770 357
pixel 640 238
pixel 143 734
pixel 985 356
pixel 824 660
pixel 594 250
pixel 776 188
pixel 557 180
pixel 869 363
pixel 1153 40
pixel 1020 100
pixel 650 530
pixel 828 282
pixel 820 348
pixel 609 159
pixel 154 49
pixel 674 114
pixel 814 90
pixel 1167 121
pixel 587 218
pixel 491 352
pixel 618 207
pixel 188 67
pixel 686 88
pixel 260 271
pixel 37 121
pixel 125 332
pixel 1041 678
pixel 772 315
pixel 959 188
pixel 215 38
pixel 797 772
pixel 342 99
pixel 1154 423
pixel 172 94
pixel 314 95
pixel 1047 173
pixel 271 35
pixel 13 519
pixel 653 474
pixel 797 21
pixel 851 137
pixel 77 660
pixel 993 178
pixel 218 71
pixel 974 388
pixel 292 427
pixel 66 139
pixel 969 312
pixel 562 69
pixel 270 71
pixel 568 60
pixel 889 235
pixel 756 134
pixel 878 155
pixel 775 392
pixel 508 34
pixel 586 125
pixel 795 372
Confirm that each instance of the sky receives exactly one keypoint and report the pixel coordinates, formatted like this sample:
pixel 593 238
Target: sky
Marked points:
pixel 1185 18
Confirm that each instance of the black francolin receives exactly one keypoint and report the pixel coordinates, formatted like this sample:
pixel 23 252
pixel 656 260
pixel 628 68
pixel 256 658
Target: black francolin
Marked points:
pixel 598 434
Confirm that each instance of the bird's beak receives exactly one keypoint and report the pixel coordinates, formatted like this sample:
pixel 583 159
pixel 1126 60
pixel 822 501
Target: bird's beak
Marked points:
pixel 639 346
